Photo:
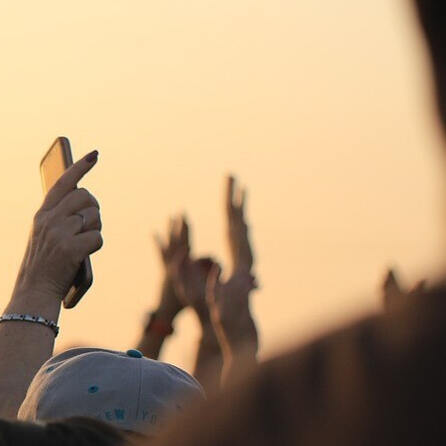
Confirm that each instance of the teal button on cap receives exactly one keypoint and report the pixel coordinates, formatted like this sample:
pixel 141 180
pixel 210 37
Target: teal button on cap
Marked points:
pixel 134 353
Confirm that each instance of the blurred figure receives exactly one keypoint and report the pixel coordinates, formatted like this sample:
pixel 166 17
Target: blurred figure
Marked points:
pixel 377 382
pixel 432 15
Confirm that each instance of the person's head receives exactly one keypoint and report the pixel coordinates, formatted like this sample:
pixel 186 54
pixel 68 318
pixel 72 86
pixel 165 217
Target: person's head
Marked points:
pixel 133 393
pixel 432 14
pixel 76 431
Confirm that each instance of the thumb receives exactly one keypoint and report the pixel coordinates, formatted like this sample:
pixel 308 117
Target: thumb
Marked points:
pixel 419 287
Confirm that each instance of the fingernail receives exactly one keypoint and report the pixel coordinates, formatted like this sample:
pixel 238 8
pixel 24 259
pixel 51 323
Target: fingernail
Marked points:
pixel 92 157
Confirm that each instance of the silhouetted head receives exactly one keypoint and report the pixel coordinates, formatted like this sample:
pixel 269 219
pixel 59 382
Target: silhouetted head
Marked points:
pixel 75 431
pixel 433 18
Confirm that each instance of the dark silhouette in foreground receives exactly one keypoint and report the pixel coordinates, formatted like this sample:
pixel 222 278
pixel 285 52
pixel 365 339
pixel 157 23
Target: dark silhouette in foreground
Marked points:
pixel 380 381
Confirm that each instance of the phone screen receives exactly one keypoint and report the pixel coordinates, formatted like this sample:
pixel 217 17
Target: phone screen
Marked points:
pixel 53 165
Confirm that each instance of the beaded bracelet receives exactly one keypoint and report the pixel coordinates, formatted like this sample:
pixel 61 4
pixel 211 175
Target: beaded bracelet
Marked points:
pixel 34 319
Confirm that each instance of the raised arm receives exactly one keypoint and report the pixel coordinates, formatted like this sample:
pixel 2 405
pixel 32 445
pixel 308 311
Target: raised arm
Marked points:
pixel 159 323
pixel 189 276
pixel 229 302
pixel 232 320
pixel 66 229
pixel 241 255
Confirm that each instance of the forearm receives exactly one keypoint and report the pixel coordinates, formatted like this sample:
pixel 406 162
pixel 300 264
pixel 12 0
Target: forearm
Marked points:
pixel 151 342
pixel 239 344
pixel 238 361
pixel 209 361
pixel 150 345
pixel 24 347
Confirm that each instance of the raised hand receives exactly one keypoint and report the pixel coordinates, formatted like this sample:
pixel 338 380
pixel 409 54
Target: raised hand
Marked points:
pixel 393 294
pixel 172 253
pixel 189 277
pixel 177 242
pixel 190 282
pixel 238 239
pixel 159 324
pixel 66 229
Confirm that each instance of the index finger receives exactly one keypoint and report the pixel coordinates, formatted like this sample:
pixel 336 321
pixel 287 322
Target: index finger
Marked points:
pixel 69 179
pixel 230 194
pixel 184 232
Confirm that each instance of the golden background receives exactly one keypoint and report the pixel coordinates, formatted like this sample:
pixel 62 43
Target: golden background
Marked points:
pixel 322 109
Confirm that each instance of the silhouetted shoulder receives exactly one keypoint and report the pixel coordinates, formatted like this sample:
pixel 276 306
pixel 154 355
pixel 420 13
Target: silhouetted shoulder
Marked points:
pixel 378 381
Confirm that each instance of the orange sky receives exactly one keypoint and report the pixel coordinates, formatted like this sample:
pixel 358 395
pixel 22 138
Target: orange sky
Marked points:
pixel 321 108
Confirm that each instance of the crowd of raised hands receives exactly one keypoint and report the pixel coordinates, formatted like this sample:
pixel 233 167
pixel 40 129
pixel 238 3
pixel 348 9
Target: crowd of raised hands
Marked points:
pixel 377 381
pixel 229 338
pixel 67 228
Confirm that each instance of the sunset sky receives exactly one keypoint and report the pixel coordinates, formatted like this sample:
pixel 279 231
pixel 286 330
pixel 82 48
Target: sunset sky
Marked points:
pixel 322 109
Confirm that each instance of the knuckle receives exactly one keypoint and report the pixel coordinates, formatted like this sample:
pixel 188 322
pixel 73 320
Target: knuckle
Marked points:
pixel 88 198
pixel 94 201
pixel 98 240
pixel 96 213
pixel 39 218
pixel 95 217
pixel 53 235
pixel 83 194
pixel 94 241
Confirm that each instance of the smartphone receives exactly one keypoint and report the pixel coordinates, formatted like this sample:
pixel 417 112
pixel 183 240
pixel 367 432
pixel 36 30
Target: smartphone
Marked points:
pixel 53 165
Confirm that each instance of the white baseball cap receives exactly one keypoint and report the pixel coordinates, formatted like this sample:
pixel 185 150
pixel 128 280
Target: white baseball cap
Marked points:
pixel 129 391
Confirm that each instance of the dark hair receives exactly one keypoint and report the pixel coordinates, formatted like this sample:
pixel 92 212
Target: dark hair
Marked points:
pixel 432 14
pixel 77 431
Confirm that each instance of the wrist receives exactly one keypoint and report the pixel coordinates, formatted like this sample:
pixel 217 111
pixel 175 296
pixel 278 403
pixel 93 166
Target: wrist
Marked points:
pixel 158 326
pixel 167 315
pixel 169 305
pixel 209 344
pixel 35 303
